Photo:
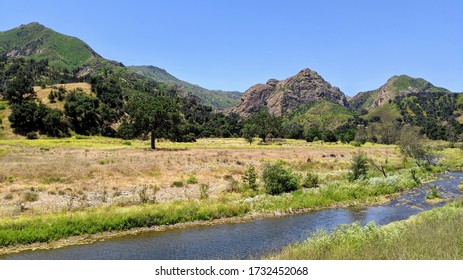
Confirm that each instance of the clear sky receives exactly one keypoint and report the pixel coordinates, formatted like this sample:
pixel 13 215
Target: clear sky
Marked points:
pixel 231 45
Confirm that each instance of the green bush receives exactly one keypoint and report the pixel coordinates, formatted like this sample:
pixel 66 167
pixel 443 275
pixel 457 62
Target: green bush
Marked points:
pixel 358 167
pixel 279 179
pixel 192 180
pixel 178 184
pixel 311 180
pixel 250 178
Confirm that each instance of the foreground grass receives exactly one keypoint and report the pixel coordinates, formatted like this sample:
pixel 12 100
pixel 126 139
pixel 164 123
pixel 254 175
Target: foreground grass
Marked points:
pixel 436 234
pixel 46 228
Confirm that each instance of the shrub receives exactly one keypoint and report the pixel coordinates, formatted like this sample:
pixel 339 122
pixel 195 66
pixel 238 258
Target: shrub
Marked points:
pixel 8 196
pixel 32 135
pixel 30 196
pixel 178 184
pixel 204 191
pixel 311 180
pixel 250 178
pixel 279 179
pixel 433 193
pixel 192 180
pixel 143 194
pixel 233 185
pixel 358 167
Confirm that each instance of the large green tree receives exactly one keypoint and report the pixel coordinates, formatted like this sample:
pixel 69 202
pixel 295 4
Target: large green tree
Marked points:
pixel 264 123
pixel 157 114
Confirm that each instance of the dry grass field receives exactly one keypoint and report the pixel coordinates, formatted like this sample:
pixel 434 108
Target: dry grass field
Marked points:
pixel 42 93
pixel 49 175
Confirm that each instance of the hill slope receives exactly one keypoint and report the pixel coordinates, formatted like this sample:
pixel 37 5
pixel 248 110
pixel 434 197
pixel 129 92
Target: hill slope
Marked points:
pixel 38 42
pixel 395 86
pixel 281 97
pixel 214 98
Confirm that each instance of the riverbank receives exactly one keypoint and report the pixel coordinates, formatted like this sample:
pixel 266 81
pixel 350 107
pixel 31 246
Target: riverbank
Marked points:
pixel 435 234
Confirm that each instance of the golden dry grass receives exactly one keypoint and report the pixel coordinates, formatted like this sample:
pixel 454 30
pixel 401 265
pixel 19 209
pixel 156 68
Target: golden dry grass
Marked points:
pixel 88 176
pixel 42 94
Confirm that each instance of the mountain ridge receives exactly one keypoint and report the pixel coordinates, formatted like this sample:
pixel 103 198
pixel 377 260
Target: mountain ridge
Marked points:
pixel 214 98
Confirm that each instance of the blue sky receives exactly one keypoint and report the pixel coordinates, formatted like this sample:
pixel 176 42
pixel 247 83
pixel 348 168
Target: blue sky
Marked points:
pixel 231 45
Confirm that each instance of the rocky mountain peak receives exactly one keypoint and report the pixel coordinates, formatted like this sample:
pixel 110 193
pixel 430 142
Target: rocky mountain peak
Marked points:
pixel 284 96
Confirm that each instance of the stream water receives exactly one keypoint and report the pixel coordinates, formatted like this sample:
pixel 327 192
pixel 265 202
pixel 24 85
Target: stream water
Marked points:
pixel 250 239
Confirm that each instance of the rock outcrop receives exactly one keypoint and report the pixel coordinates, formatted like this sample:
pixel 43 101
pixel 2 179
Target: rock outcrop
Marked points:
pixel 284 96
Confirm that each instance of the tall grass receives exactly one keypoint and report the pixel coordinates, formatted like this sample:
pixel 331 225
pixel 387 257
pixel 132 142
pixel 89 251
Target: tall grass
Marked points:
pixel 337 193
pixel 46 228
pixel 436 234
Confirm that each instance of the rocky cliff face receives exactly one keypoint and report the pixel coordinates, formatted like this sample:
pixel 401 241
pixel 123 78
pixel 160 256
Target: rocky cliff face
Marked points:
pixel 395 86
pixel 284 96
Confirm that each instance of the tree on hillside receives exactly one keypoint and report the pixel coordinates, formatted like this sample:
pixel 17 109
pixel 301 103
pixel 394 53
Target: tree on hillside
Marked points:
pixel 265 123
pixel 155 114
pixel 82 109
pixel 19 87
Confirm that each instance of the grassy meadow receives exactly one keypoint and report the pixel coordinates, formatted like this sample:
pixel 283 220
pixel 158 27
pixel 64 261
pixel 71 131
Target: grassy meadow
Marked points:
pixel 56 188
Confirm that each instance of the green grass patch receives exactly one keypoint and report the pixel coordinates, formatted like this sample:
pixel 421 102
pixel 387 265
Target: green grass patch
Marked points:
pixel 435 234
pixel 46 228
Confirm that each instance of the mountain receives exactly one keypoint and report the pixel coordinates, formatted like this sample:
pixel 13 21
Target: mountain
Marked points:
pixel 213 98
pixel 281 97
pixel 39 42
pixel 395 86
pixel 64 52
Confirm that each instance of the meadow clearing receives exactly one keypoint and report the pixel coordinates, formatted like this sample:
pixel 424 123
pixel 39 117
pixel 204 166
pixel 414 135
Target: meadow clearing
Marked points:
pixel 53 175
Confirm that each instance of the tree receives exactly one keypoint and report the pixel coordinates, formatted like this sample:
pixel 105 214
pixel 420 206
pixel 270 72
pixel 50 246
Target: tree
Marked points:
pixel 23 117
pixel 249 131
pixel 82 109
pixel 19 88
pixel 265 123
pixel 155 114
pixel 411 145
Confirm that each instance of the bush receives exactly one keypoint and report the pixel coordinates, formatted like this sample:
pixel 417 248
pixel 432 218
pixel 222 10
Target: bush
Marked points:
pixel 204 190
pixel 279 179
pixel 192 180
pixel 433 193
pixel 233 185
pixel 250 178
pixel 178 184
pixel 30 196
pixel 358 167
pixel 32 135
pixel 311 180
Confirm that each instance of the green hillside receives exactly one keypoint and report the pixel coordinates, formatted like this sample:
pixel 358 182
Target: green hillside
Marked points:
pixel 395 86
pixel 323 114
pixel 214 98
pixel 38 42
